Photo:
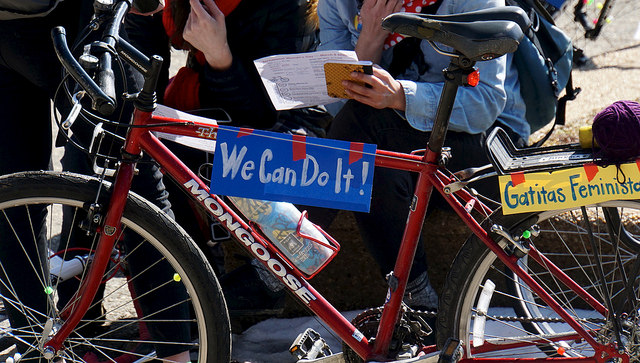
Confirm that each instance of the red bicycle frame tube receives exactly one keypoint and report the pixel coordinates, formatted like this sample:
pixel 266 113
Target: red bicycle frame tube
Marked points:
pixel 141 139
pixel 109 233
pixel 428 178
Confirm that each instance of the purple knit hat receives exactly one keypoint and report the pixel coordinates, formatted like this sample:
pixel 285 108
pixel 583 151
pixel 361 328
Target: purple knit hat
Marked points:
pixel 616 129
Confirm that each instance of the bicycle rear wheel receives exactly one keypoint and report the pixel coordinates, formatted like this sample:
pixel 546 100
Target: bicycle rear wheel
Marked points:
pixel 618 29
pixel 511 320
pixel 159 296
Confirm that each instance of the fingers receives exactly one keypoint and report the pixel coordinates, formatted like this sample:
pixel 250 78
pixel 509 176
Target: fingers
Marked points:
pixel 214 10
pixel 357 91
pixel 397 6
pixel 380 90
pixel 375 10
pixel 197 8
pixel 370 3
pixel 392 5
pixel 362 77
pixel 379 74
pixel 188 26
pixel 362 94
pixel 205 9
pixel 356 87
pixel 388 6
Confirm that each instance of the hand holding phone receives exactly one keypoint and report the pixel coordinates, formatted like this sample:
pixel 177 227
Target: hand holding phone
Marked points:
pixel 335 73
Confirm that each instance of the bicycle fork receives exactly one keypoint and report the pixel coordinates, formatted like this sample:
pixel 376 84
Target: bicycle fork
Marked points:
pixel 109 232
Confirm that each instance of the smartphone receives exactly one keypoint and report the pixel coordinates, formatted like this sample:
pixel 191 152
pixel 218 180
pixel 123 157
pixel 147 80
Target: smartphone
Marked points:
pixel 335 73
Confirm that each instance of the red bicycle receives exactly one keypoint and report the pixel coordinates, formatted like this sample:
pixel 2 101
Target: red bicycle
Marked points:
pixel 533 286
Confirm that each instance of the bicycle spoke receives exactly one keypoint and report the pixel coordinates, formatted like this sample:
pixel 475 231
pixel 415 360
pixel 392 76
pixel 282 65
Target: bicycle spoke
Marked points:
pixel 149 297
pixel 510 316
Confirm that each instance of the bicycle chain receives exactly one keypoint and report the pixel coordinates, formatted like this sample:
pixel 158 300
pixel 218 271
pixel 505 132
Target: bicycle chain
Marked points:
pixel 367 323
pixel 412 330
pixel 520 319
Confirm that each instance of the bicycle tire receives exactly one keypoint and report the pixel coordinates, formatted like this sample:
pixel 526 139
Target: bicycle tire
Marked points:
pixel 515 313
pixel 170 303
pixel 616 31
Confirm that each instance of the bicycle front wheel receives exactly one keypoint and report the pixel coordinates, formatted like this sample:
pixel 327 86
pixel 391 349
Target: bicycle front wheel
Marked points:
pixel 496 314
pixel 159 299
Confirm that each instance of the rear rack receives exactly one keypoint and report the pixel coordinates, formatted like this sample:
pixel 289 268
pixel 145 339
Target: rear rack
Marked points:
pixel 506 158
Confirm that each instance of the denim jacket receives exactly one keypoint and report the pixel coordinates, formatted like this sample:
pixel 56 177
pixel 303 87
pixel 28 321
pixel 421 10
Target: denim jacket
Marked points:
pixel 496 97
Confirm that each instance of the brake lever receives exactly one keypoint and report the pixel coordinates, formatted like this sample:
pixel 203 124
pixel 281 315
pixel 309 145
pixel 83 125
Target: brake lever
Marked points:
pixel 75 110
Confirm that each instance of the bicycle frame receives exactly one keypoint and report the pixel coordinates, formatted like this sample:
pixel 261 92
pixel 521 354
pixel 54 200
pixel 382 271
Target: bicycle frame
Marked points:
pixel 430 176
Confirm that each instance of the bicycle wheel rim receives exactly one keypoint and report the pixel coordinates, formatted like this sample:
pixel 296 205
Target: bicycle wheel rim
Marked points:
pixel 536 322
pixel 80 347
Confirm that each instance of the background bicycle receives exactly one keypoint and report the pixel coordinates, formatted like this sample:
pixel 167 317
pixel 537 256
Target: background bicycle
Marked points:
pixel 618 29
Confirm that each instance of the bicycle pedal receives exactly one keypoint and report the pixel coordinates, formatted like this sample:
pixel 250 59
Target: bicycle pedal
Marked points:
pixel 452 351
pixel 309 346
pixel 334 358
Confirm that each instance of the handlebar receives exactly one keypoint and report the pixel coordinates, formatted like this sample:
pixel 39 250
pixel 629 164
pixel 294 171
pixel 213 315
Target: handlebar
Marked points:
pixel 102 90
pixel 101 102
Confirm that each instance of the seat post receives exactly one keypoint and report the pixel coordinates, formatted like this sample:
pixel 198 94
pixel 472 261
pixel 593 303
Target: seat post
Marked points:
pixel 455 75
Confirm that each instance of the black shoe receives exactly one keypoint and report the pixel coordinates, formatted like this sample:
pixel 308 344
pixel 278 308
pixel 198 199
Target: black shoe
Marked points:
pixel 247 295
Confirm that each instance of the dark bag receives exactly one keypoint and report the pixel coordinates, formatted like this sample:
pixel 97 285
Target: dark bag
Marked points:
pixel 17 9
pixel 544 61
pixel 310 121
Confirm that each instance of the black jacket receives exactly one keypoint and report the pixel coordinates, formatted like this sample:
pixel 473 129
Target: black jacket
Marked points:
pixel 255 29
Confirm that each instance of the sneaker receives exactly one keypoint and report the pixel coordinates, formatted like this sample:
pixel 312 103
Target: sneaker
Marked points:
pixel 420 295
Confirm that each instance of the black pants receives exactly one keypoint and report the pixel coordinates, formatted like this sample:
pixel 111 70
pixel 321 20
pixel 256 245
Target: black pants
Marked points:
pixel 29 75
pixel 383 227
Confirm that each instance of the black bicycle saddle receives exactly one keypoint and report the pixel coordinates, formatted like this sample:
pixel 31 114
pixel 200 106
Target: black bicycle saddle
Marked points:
pixel 478 35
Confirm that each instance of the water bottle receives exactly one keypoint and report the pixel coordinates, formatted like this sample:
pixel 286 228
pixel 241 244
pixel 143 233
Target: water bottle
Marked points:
pixel 279 221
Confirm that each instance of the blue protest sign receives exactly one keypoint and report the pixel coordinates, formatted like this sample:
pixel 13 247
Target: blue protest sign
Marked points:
pixel 302 170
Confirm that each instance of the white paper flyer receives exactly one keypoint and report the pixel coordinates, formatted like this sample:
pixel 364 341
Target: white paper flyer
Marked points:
pixel 297 80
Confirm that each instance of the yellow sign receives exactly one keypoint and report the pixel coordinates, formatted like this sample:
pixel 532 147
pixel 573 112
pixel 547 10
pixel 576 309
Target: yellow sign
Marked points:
pixel 575 187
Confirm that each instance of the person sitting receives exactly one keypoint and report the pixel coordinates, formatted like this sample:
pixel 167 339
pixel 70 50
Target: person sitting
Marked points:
pixel 397 110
